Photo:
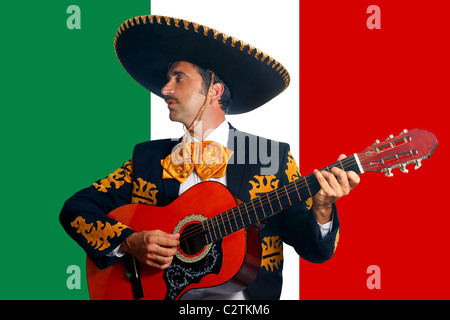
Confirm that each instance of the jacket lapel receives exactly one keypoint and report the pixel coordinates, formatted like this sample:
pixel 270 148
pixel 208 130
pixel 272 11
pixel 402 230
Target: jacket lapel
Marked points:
pixel 171 187
pixel 236 168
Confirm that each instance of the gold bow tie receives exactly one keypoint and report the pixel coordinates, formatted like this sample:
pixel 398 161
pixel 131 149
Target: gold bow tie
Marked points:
pixel 208 158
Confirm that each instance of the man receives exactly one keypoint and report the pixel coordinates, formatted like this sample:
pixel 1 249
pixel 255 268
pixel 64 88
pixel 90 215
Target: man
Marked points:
pixel 203 74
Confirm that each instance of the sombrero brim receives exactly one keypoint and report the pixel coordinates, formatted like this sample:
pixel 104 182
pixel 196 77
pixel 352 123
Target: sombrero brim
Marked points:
pixel 146 45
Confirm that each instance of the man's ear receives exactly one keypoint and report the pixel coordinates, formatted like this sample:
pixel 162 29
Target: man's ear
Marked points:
pixel 216 91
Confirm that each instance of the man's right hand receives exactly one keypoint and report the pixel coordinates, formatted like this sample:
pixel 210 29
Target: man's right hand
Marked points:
pixel 154 248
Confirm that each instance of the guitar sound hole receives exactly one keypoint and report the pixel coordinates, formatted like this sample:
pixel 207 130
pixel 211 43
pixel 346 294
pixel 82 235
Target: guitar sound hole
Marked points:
pixel 192 241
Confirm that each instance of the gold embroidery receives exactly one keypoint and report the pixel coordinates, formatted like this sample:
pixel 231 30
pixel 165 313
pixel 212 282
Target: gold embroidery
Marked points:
pixel 158 19
pixel 309 203
pixel 272 253
pixel 195 25
pixel 167 20
pixel 260 187
pixel 144 192
pixel 205 30
pixel 337 240
pixel 186 24
pixel 176 22
pixel 293 174
pixel 98 236
pixel 118 177
pixel 243 45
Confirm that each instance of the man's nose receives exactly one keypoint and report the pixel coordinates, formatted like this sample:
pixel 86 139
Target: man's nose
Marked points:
pixel 167 89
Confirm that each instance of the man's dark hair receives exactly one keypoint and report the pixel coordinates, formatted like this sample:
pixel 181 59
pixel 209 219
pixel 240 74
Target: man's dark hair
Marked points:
pixel 225 99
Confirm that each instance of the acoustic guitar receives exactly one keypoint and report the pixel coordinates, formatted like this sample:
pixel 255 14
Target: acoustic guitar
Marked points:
pixel 220 250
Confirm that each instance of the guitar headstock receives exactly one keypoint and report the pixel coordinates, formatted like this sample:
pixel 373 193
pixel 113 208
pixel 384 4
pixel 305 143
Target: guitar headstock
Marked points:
pixel 399 151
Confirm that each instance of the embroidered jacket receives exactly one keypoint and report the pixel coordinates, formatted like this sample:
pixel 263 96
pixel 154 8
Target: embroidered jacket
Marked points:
pixel 139 180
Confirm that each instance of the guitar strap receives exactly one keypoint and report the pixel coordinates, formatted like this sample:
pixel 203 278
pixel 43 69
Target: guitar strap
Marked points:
pixel 133 273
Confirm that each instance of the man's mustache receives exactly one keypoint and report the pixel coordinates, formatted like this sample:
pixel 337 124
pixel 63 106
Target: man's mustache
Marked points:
pixel 168 98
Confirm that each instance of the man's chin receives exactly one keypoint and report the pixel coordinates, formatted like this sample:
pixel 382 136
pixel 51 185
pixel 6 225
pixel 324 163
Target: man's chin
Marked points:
pixel 174 118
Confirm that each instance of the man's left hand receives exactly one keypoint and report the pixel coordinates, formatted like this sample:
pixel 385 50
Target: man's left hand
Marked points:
pixel 334 185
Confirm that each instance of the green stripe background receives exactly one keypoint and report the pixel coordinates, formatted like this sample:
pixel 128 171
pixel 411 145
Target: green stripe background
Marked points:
pixel 70 115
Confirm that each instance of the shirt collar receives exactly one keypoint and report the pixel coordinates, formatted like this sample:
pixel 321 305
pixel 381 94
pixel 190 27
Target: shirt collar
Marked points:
pixel 219 134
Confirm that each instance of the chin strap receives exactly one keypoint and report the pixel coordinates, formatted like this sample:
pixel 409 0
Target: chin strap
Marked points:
pixel 186 155
pixel 199 115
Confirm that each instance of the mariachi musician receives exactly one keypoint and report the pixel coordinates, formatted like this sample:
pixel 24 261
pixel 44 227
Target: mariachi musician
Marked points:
pixel 203 75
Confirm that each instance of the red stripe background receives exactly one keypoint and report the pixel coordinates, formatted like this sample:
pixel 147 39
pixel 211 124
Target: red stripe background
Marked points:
pixel 358 85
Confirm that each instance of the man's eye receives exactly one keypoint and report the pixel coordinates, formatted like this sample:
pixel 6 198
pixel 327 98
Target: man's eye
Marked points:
pixel 179 79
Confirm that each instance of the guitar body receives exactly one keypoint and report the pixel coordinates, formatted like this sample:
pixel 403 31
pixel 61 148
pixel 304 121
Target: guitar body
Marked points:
pixel 198 269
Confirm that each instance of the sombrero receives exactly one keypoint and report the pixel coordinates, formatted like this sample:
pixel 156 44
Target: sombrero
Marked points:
pixel 146 45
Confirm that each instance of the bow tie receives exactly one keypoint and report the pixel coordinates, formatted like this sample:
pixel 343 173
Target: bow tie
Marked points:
pixel 208 158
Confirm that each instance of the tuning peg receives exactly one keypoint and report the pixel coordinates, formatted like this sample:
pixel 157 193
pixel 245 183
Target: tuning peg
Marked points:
pixel 376 142
pixel 404 131
pixel 388 172
pixel 403 168
pixel 418 164
pixel 390 136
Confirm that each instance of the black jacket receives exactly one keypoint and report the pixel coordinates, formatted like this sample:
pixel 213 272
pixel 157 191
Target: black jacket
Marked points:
pixel 139 180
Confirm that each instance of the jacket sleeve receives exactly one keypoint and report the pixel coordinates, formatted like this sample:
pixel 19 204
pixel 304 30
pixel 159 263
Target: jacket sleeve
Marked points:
pixel 84 215
pixel 298 225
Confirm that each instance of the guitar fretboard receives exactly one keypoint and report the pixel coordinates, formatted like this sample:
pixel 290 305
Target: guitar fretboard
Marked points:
pixel 269 204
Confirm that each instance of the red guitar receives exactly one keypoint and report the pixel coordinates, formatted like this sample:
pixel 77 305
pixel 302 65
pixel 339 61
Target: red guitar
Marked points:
pixel 220 250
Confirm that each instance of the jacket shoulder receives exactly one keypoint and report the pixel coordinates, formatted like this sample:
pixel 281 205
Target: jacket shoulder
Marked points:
pixel 154 147
pixel 246 137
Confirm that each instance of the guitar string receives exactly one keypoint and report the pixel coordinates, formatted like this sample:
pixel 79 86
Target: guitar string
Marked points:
pixel 228 219
pixel 270 197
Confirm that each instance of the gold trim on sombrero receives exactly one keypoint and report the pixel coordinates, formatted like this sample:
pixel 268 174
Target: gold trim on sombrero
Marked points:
pixel 256 53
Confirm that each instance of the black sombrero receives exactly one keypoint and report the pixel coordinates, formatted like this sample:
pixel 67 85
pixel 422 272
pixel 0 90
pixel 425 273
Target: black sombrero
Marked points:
pixel 146 45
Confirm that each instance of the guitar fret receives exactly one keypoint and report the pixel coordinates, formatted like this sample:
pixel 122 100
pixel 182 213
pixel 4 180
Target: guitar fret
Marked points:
pixel 249 219
pixel 224 225
pixel 296 189
pixel 276 192
pixel 310 194
pixel 218 227
pixel 207 228
pixel 235 221
pixel 253 205
pixel 262 207
pixel 209 231
pixel 229 221
pixel 268 199
pixel 240 213
pixel 249 212
pixel 214 230
pixel 287 194
pixel 257 214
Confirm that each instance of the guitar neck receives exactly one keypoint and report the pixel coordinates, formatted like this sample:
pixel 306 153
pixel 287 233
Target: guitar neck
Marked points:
pixel 270 203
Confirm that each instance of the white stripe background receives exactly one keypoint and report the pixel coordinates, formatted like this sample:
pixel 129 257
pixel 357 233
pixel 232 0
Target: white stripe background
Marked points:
pixel 272 27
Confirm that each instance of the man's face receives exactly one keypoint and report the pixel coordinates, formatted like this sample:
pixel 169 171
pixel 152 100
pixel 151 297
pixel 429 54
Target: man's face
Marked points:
pixel 184 92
